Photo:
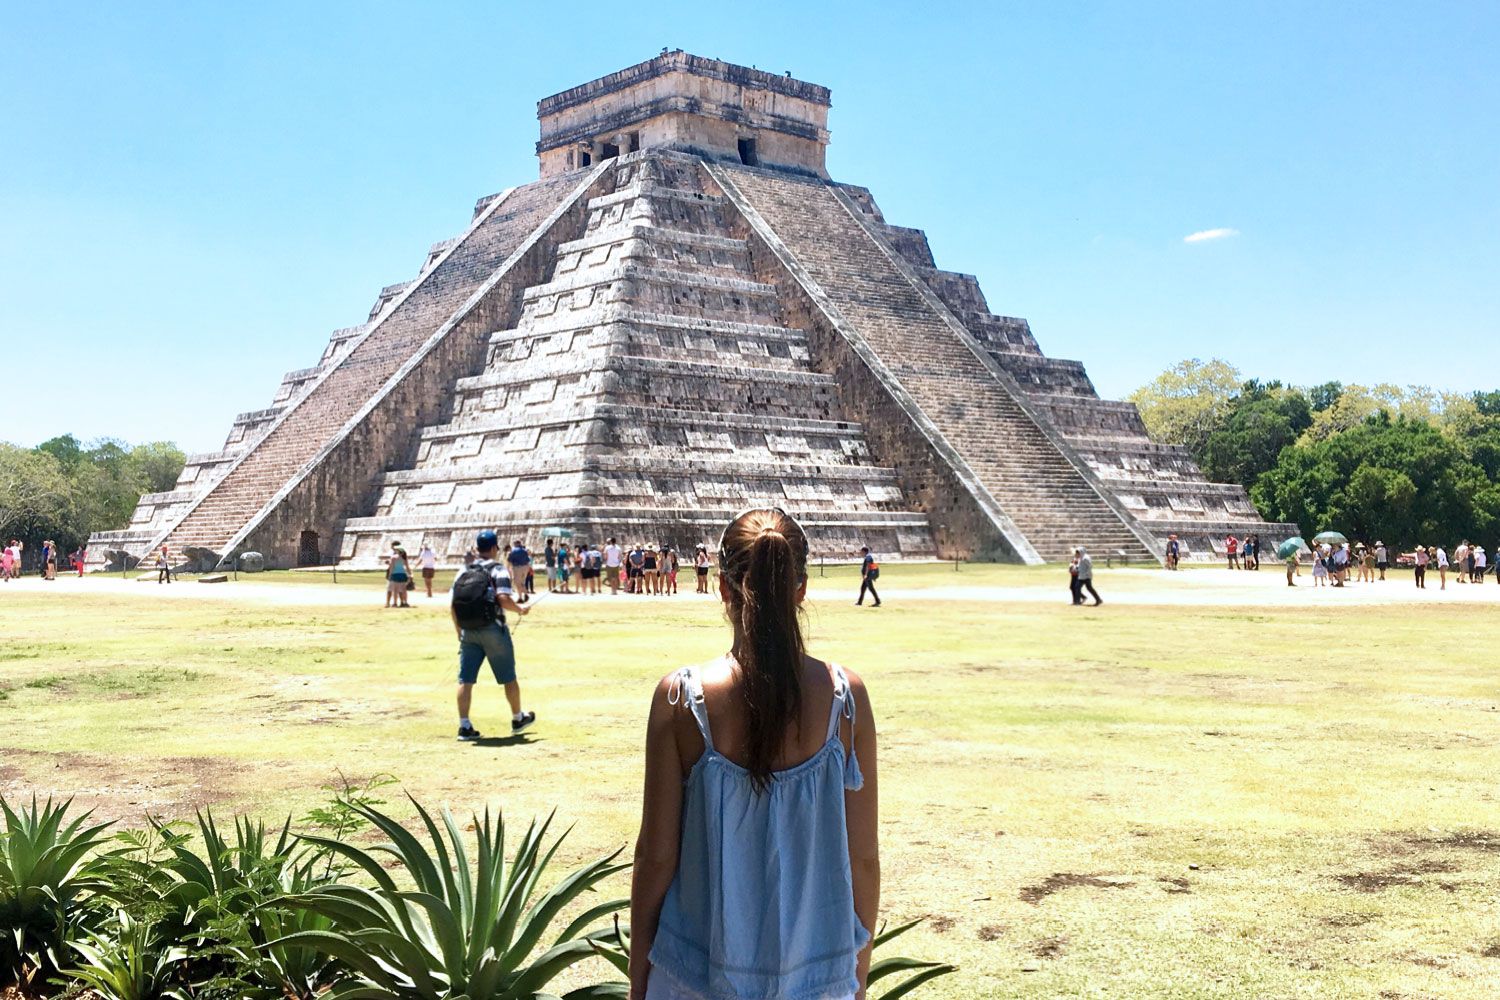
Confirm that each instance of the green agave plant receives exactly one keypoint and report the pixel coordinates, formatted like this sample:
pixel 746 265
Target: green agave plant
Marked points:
pixel 463 931
pixel 130 963
pixel 222 897
pixel 884 982
pixel 45 867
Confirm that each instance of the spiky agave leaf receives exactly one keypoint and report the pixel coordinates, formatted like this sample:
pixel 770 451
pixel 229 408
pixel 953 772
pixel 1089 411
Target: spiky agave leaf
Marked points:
pixel 46 864
pixel 465 930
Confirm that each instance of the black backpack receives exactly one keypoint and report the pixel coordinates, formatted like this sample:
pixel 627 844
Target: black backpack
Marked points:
pixel 474 597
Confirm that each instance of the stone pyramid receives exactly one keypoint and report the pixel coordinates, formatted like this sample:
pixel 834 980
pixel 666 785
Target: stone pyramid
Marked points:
pixel 684 317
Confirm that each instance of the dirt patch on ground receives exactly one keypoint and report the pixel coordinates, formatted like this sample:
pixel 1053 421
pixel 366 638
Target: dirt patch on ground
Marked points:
pixel 1405 875
pixel 1058 881
pixel 1346 919
pixel 172 787
pixel 994 932
pixel 1052 947
pixel 940 924
pixel 1483 841
pixel 1175 886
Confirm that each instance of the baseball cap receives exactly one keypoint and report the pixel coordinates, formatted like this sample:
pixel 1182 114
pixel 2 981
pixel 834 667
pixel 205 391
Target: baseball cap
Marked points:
pixel 487 540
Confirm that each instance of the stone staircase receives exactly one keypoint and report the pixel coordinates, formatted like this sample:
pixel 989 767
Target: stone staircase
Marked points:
pixel 1042 490
pixel 650 389
pixel 407 318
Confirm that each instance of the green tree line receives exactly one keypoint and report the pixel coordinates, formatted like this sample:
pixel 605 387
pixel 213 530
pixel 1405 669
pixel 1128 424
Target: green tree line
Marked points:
pixel 1406 464
pixel 65 490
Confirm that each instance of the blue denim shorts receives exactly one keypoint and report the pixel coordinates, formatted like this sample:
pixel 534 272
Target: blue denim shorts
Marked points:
pixel 491 642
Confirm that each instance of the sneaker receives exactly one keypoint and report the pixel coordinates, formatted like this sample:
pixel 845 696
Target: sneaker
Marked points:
pixel 524 724
pixel 468 733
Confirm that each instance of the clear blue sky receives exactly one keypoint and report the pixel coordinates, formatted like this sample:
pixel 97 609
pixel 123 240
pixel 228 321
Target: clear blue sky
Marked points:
pixel 192 196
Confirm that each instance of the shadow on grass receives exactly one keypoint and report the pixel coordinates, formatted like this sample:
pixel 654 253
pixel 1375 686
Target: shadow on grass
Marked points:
pixel 518 740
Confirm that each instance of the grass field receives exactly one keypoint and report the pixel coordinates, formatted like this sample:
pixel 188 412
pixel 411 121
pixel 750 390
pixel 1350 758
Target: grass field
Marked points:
pixel 1167 796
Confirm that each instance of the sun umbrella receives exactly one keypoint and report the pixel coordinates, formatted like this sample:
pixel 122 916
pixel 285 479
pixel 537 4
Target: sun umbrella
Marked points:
pixel 1291 545
pixel 1331 537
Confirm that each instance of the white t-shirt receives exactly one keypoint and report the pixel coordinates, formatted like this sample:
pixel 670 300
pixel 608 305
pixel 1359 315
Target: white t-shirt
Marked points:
pixel 612 556
pixel 428 558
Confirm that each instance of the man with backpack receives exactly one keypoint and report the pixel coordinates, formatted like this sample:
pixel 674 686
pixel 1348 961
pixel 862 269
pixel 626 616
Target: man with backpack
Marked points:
pixel 480 597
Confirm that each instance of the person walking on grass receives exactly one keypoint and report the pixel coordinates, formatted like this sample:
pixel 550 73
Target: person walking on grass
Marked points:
pixel 700 567
pixel 163 566
pixel 757 866
pixel 1291 568
pixel 1382 558
pixel 397 577
pixel 670 555
pixel 519 562
pixel 1440 557
pixel 8 561
pixel 1232 550
pixel 869 572
pixel 1174 551
pixel 614 561
pixel 1075 589
pixel 636 570
pixel 49 559
pixel 1086 576
pixel 549 556
pixel 428 561
pixel 564 564
pixel 653 574
pixel 1420 559
pixel 480 597
pixel 1481 563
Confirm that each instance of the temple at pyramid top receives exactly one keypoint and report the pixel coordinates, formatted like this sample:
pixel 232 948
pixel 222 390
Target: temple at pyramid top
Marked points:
pixel 680 101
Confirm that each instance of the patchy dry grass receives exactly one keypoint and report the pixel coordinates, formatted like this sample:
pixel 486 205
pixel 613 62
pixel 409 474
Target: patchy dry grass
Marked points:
pixel 1138 801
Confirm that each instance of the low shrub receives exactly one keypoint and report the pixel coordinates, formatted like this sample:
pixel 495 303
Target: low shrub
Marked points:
pixel 192 912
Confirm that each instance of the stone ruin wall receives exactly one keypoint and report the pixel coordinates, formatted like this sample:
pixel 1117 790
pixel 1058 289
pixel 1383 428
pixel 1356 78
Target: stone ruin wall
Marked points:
pixel 155 511
pixel 960 529
pixel 1160 485
pixel 340 486
pixel 643 393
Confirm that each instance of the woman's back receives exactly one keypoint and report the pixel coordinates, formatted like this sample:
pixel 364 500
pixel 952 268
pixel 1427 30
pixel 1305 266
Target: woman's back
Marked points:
pixel 729 723
pixel 757 867
pixel 762 901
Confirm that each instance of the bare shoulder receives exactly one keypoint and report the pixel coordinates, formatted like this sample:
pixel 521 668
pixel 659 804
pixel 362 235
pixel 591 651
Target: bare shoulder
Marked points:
pixel 860 692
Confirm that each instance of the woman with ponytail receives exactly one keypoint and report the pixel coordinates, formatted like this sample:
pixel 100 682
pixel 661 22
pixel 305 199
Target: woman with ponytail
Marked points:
pixel 757 869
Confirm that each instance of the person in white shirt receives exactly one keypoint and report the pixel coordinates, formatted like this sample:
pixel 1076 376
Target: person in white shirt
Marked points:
pixel 612 563
pixel 427 559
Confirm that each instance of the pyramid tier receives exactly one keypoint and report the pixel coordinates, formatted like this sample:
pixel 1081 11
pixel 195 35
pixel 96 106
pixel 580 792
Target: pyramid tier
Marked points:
pixel 835 535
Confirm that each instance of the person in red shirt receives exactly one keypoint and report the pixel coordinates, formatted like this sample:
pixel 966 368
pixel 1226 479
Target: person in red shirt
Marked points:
pixel 1232 548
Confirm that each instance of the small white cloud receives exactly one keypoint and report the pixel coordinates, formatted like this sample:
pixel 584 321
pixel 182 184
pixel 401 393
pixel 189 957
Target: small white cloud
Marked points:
pixel 1204 235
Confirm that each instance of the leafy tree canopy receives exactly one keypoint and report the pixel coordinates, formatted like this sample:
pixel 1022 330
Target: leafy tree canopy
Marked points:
pixel 1186 402
pixel 1402 462
pixel 65 490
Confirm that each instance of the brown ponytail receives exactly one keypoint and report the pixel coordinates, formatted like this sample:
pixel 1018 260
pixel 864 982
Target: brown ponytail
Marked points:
pixel 763 559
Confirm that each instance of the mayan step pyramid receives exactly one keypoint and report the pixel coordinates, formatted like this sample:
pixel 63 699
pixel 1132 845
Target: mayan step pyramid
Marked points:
pixel 684 317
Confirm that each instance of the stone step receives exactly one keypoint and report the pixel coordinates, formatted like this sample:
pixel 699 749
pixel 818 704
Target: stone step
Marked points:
pixel 305 428
pixel 939 371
